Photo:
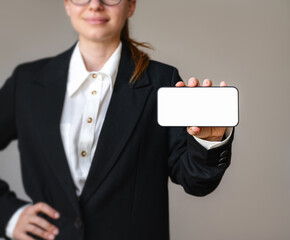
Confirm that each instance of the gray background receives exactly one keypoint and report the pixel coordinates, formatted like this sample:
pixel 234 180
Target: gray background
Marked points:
pixel 246 44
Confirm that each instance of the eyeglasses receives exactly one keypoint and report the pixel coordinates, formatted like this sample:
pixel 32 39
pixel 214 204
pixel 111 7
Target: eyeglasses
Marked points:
pixel 105 2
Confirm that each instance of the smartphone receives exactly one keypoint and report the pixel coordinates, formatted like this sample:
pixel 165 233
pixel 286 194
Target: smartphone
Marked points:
pixel 198 106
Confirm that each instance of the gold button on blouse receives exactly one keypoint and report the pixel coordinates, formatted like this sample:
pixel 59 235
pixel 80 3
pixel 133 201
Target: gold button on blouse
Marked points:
pixel 90 120
pixel 94 75
pixel 84 153
pixel 94 92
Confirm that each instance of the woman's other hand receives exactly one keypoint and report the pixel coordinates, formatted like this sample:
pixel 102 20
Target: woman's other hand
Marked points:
pixel 30 222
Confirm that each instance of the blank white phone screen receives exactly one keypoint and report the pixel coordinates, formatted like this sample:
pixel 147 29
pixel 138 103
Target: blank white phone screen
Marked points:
pixel 198 106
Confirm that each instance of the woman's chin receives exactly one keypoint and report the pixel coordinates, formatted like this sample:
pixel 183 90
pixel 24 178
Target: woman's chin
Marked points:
pixel 100 38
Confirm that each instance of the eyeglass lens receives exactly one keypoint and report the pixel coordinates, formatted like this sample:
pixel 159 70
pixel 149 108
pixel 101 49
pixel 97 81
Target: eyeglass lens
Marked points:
pixel 105 2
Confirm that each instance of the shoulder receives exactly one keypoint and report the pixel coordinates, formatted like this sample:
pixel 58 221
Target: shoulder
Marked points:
pixel 160 67
pixel 163 74
pixel 32 66
pixel 36 66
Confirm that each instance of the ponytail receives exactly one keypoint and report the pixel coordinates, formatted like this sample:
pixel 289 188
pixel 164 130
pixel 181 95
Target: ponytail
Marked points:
pixel 140 58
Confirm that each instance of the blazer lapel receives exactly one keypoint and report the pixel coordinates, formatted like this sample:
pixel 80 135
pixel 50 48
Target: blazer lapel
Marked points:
pixel 51 83
pixel 125 107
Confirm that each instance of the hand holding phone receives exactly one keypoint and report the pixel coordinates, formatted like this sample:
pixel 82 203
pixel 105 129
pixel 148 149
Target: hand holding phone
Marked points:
pixel 206 110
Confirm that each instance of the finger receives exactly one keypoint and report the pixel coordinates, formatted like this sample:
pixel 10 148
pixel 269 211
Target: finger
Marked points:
pixel 45 208
pixel 193 130
pixel 35 230
pixel 180 84
pixel 45 225
pixel 25 236
pixel 193 82
pixel 223 84
pixel 207 83
pixel 200 132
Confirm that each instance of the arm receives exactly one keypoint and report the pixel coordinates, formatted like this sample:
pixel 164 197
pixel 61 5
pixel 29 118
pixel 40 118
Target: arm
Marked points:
pixel 9 203
pixel 197 169
pixel 18 218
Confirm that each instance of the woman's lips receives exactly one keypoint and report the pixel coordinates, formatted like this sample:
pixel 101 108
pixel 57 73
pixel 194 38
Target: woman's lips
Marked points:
pixel 96 20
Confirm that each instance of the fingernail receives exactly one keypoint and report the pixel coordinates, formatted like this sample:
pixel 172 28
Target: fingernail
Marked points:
pixel 56 215
pixel 51 237
pixel 55 232
pixel 194 132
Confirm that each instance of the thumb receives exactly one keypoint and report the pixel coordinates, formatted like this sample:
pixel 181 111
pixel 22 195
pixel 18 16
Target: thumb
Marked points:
pixel 199 132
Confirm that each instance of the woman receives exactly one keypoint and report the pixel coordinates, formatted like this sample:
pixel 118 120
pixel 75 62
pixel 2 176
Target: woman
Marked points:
pixel 94 160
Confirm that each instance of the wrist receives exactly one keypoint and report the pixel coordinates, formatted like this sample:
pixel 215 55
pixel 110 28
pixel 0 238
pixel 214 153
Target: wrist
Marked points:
pixel 213 139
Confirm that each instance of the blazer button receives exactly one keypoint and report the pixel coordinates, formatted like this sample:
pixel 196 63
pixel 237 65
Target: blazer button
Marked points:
pixel 224 153
pixel 223 160
pixel 222 165
pixel 78 223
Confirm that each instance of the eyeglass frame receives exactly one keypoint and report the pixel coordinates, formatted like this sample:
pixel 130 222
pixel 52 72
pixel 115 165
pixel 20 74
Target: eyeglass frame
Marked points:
pixel 102 1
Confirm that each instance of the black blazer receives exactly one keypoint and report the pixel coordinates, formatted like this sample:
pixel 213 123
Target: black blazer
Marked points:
pixel 125 196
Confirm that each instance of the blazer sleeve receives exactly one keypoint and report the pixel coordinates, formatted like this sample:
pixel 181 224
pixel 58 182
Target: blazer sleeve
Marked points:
pixel 9 203
pixel 197 169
